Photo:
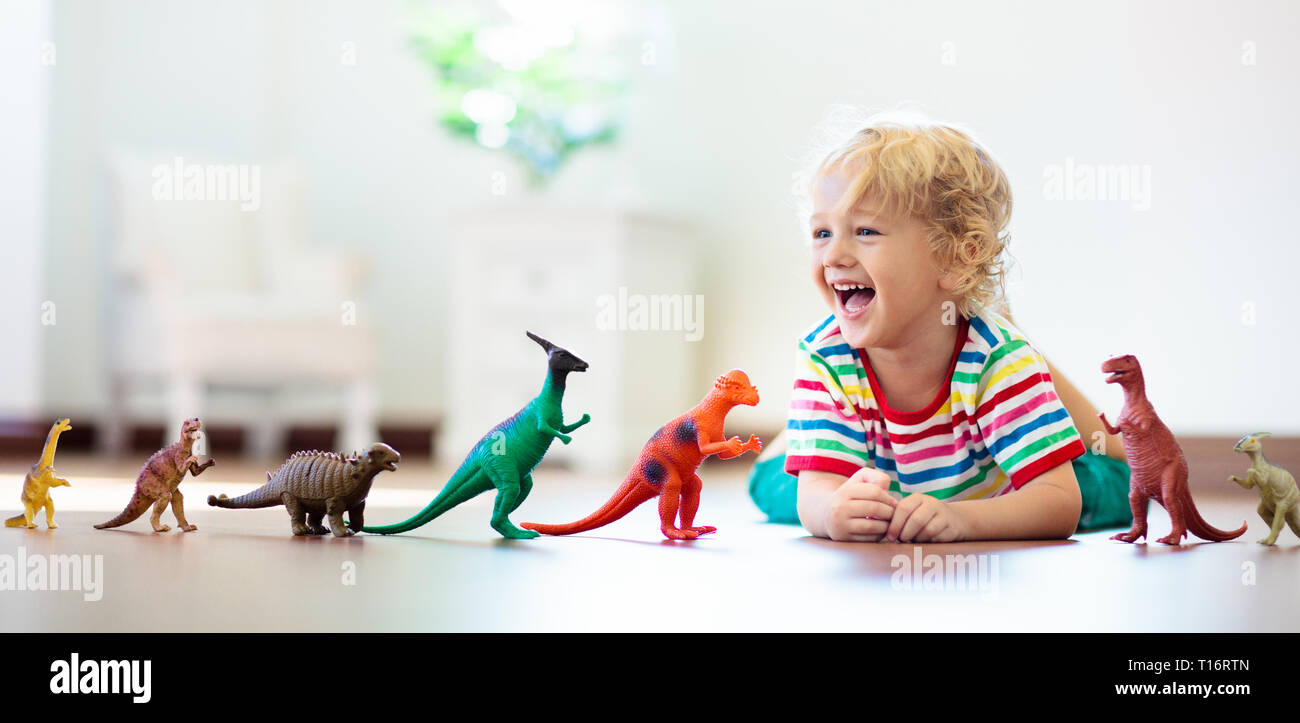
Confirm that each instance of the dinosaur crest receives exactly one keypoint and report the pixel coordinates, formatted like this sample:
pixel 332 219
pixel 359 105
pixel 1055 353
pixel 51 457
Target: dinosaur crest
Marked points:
pixel 1250 442
pixel 559 358
pixel 735 386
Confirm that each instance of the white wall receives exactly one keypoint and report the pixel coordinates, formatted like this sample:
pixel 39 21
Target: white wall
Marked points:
pixel 717 124
pixel 25 78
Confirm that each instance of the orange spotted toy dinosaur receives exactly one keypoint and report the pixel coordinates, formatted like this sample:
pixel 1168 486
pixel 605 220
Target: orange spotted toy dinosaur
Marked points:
pixel 666 466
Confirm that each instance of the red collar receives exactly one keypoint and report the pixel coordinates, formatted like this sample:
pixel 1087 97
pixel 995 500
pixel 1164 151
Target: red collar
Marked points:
pixel 919 415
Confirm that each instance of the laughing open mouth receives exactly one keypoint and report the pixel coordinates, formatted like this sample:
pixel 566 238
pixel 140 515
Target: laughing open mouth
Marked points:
pixel 854 297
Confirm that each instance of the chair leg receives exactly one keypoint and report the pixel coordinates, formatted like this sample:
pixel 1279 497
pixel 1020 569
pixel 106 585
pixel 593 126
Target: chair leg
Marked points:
pixel 184 400
pixel 112 436
pixel 265 436
pixel 358 428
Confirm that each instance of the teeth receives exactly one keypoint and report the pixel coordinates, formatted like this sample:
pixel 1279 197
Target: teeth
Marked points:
pixel 849 287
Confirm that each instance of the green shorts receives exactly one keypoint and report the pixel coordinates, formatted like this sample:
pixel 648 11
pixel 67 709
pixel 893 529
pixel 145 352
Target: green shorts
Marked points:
pixel 1103 484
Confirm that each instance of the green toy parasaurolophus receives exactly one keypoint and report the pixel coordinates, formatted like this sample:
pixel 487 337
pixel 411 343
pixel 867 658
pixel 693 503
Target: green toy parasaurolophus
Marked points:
pixel 506 456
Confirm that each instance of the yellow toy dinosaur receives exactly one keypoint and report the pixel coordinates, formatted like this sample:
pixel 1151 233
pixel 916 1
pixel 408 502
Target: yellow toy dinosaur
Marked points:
pixel 1277 489
pixel 36 488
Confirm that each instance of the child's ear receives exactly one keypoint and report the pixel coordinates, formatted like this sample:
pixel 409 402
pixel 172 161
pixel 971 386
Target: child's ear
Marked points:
pixel 949 280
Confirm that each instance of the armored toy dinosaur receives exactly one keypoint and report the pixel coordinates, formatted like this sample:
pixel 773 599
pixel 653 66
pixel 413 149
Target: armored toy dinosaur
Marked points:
pixel 159 480
pixel 313 484
pixel 506 456
pixel 36 488
pixel 1278 495
pixel 1158 469
pixel 667 464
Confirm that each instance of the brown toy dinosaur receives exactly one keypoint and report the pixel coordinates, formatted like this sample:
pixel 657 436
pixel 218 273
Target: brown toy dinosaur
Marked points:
pixel 314 484
pixel 159 479
pixel 1156 462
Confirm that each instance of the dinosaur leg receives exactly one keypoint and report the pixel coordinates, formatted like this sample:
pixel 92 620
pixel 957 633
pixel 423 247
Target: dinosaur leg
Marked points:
pixel 525 486
pixel 1293 518
pixel 315 523
pixel 356 516
pixel 29 516
pixel 510 495
pixel 49 514
pixel 1279 517
pixel 690 503
pixel 159 506
pixel 670 501
pixel 335 509
pixel 297 515
pixel 178 509
pixel 1173 501
pixel 1137 500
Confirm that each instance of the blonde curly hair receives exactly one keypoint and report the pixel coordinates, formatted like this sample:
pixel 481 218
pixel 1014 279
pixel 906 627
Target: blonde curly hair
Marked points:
pixel 939 172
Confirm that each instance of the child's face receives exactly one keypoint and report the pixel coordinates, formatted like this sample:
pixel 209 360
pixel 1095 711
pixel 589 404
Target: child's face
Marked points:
pixel 875 271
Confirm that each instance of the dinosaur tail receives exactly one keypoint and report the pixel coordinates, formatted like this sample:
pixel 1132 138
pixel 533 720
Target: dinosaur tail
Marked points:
pixel 268 495
pixel 463 485
pixel 1204 530
pixel 629 496
pixel 136 507
pixel 16 521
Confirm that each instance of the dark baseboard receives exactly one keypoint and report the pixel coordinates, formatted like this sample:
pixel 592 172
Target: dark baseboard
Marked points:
pixel 24 438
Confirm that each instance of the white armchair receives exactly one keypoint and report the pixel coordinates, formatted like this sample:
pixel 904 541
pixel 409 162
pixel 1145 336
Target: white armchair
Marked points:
pixel 204 295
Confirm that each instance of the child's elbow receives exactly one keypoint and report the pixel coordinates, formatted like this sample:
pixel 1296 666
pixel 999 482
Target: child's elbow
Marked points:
pixel 1061 487
pixel 1070 503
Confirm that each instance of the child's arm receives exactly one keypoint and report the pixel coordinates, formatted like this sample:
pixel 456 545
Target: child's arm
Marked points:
pixel 836 507
pixel 1046 508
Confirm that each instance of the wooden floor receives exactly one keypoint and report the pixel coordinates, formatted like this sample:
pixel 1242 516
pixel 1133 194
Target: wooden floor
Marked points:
pixel 243 571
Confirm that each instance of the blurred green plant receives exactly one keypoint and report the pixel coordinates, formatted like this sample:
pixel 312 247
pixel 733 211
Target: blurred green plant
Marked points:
pixel 531 89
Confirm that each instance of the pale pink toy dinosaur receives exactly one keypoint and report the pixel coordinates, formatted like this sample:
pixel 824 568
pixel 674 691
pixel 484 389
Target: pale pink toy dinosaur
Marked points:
pixel 159 480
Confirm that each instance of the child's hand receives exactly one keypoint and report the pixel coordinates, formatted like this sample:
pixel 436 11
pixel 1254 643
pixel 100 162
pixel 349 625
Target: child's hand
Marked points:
pixel 922 518
pixel 860 508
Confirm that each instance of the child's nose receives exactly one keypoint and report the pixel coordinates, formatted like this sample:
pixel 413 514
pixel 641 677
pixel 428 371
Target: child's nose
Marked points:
pixel 838 252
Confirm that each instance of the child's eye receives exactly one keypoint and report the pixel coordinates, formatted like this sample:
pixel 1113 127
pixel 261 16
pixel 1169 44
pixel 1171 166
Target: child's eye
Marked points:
pixel 867 232
pixel 821 233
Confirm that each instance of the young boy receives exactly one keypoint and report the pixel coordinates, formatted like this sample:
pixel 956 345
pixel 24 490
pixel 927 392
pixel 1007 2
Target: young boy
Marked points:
pixel 919 413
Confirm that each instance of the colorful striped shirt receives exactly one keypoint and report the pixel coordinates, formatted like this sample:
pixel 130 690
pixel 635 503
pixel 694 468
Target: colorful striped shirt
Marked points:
pixel 997 425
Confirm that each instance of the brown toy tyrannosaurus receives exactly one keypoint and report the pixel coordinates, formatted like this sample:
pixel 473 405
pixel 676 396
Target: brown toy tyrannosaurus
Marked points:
pixel 1158 469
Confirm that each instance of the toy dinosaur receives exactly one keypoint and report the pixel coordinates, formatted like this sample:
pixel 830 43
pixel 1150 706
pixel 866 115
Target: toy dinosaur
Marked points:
pixel 36 488
pixel 1277 488
pixel 314 484
pixel 159 480
pixel 506 456
pixel 666 467
pixel 1158 469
